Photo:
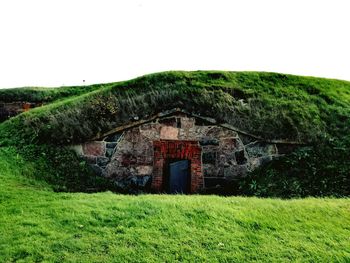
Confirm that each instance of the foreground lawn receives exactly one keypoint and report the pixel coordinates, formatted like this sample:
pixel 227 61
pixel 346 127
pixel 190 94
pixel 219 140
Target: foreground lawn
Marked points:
pixel 37 224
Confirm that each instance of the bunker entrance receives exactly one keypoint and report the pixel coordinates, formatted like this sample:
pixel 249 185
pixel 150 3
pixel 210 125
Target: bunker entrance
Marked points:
pixel 179 176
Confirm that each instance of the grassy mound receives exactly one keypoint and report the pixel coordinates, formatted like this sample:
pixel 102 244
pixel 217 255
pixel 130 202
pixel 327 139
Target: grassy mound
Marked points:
pixel 60 168
pixel 312 110
pixel 45 95
pixel 273 106
pixel 38 224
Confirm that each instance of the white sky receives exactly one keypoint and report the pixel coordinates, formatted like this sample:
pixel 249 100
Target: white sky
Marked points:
pixel 63 42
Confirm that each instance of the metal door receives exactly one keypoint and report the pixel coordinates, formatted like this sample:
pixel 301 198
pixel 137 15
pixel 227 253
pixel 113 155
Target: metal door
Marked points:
pixel 179 177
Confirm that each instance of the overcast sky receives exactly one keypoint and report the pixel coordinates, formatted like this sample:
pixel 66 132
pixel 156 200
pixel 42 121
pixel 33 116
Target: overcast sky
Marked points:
pixel 64 42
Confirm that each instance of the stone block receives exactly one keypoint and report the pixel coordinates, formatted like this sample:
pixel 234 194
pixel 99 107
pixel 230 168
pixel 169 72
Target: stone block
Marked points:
pixel 115 171
pixel 142 148
pixel 151 133
pixel 210 170
pixel 128 159
pixel 144 170
pixel 96 148
pixel 102 161
pixel 125 146
pixel 187 123
pixel 169 133
pixel 229 144
pixel 144 159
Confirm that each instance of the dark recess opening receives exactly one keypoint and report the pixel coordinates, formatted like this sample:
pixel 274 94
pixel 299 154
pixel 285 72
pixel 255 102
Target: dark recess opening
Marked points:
pixel 177 177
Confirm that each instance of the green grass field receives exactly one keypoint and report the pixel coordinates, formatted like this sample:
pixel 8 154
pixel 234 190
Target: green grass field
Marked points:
pixel 37 224
pixel 40 224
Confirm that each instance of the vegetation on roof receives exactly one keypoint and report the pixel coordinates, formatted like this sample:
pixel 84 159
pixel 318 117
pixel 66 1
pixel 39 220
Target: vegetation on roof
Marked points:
pixel 43 94
pixel 270 105
pixel 311 110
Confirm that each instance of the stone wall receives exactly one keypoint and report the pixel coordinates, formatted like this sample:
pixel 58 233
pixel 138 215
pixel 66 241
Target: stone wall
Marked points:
pixel 135 160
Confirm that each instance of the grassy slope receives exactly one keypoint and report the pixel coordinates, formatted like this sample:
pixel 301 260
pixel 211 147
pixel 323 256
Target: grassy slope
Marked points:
pixel 46 95
pixel 38 224
pixel 271 105
pixel 274 106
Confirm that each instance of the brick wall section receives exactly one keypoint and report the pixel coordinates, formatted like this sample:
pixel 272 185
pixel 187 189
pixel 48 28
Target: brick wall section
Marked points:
pixel 170 149
pixel 94 148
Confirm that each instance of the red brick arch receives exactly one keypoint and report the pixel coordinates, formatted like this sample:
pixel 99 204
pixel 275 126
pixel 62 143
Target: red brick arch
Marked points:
pixel 177 149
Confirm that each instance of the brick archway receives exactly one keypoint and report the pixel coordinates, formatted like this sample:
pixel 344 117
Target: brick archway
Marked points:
pixel 177 149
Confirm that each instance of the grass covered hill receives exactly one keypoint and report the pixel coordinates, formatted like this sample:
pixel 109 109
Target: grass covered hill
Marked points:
pixel 45 95
pixel 270 105
pixel 46 217
pixel 39 225
pixel 313 111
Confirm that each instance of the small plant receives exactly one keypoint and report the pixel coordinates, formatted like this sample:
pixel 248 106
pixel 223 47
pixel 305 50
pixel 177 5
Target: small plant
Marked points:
pixel 63 169
pixel 319 170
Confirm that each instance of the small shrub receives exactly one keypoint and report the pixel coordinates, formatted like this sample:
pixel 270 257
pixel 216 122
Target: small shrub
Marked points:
pixel 319 170
pixel 63 169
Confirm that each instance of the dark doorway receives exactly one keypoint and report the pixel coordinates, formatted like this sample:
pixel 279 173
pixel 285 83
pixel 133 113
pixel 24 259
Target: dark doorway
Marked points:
pixel 170 151
pixel 179 177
